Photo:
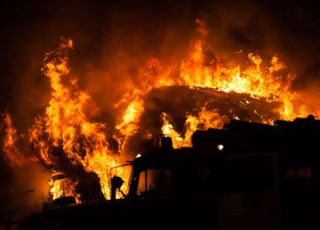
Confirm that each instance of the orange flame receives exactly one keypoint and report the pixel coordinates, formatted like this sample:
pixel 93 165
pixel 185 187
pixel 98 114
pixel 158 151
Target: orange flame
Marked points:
pixel 204 120
pixel 130 122
pixel 63 187
pixel 11 153
pixel 273 82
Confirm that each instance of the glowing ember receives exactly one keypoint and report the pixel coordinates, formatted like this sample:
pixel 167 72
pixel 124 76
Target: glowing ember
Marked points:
pixel 60 186
pixel 220 147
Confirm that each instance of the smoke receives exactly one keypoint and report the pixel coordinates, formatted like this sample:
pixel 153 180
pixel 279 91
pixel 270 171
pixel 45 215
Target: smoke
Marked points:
pixel 290 30
pixel 29 191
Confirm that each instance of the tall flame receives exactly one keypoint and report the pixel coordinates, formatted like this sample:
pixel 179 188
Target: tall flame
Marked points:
pixel 66 124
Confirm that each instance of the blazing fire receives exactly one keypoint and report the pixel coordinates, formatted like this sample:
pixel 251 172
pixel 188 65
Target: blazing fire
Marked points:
pixel 66 134
pixel 271 82
pixel 62 187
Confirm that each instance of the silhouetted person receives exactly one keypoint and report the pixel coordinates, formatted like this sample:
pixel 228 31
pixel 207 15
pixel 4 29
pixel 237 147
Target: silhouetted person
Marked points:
pixel 116 183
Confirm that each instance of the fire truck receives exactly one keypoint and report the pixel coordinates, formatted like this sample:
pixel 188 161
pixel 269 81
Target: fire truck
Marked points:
pixel 244 176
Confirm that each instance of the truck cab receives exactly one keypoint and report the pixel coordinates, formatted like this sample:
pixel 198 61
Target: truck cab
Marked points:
pixel 245 176
pixel 168 188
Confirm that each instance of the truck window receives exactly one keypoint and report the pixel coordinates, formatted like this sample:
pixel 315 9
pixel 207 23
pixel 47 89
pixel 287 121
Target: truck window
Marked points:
pixel 155 181
pixel 194 182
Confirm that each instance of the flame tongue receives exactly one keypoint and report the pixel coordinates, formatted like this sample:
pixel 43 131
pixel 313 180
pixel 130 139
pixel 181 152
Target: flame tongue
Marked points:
pixel 11 153
pixel 205 119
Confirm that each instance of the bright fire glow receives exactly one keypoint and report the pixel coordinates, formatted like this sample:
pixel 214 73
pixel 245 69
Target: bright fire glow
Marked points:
pixel 62 187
